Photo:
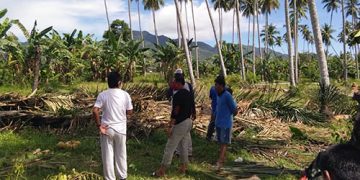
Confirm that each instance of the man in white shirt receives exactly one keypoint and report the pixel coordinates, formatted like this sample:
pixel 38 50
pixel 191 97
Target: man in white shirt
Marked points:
pixel 115 105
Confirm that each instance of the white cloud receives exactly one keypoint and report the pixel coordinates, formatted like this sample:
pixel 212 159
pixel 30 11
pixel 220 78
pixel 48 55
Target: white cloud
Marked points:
pixel 64 15
pixel 89 16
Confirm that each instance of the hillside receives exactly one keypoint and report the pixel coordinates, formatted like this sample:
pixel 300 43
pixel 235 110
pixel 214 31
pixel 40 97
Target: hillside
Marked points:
pixel 205 50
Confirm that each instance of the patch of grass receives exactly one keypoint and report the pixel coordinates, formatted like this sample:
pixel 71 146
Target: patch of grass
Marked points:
pixel 24 91
pixel 144 156
pixel 152 78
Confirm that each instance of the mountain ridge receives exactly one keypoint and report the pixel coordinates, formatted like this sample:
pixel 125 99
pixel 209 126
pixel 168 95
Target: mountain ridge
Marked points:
pixel 205 50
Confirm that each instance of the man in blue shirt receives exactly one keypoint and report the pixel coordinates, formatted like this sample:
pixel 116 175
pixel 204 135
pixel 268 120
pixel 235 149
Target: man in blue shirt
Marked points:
pixel 213 97
pixel 225 110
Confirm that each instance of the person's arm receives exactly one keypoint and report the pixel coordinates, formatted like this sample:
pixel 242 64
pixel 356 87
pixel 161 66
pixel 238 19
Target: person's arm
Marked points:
pixel 174 113
pixel 129 112
pixel 129 106
pixel 232 105
pixel 96 114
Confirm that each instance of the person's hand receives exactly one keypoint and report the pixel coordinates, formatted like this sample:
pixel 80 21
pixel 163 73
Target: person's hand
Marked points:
pixel 102 129
pixel 193 117
pixel 169 131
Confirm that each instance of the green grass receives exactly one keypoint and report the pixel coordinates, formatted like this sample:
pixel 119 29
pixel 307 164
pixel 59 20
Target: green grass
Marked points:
pixel 15 89
pixel 18 157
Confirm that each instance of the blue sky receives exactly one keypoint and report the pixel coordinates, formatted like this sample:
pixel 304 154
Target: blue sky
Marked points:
pixel 89 16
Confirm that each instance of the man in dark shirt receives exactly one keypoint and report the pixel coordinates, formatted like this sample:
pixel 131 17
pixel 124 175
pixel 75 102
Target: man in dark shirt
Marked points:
pixel 179 127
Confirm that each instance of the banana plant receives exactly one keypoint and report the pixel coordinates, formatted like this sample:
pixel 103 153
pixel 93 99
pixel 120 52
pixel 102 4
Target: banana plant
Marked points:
pixel 168 56
pixel 35 40
pixel 134 53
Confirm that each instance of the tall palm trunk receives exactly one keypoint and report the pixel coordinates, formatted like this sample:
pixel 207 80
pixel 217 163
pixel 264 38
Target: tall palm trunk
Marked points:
pixel 324 73
pixel 187 20
pixel 186 48
pixel 259 41
pixel 296 43
pixel 188 30
pixel 266 33
pixel 129 11
pixel 142 37
pixel 233 29
pixel 253 41
pixel 243 73
pixel 220 27
pixel 178 31
pixel 289 41
pixel 107 15
pixel 196 44
pixel 156 33
pixel 216 39
pixel 356 48
pixel 140 28
pixel 344 40
pixel 248 43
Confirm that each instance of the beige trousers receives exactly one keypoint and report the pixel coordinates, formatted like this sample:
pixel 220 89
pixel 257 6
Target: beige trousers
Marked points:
pixel 180 136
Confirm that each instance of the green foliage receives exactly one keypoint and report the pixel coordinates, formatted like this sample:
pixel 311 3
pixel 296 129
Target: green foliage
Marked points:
pixel 275 69
pixel 252 78
pixel 331 100
pixel 169 56
pixel 284 107
pixel 119 29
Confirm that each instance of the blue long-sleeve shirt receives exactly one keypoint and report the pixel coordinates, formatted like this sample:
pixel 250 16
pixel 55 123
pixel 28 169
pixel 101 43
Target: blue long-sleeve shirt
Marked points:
pixel 225 108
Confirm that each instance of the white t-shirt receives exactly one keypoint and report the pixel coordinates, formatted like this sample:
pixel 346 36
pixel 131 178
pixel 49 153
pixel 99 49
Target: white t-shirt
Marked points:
pixel 114 104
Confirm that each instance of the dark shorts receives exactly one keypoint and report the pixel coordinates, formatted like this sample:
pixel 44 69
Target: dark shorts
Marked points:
pixel 223 135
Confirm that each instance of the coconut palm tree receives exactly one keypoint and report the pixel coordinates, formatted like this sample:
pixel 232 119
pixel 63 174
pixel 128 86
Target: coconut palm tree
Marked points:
pixel 129 11
pixel 353 10
pixel 139 19
pixel 344 39
pixel 154 5
pixel 267 7
pixel 272 34
pixel 237 10
pixel 324 73
pixel 307 35
pixel 186 47
pixel 331 6
pixel 221 5
pixel 253 38
pixel 289 41
pixel 195 38
pixel 186 14
pixel 279 42
pixel 246 7
pixel 298 12
pixel 326 33
pixel 258 10
pixel 141 34
pixel 216 39
pixel 107 14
